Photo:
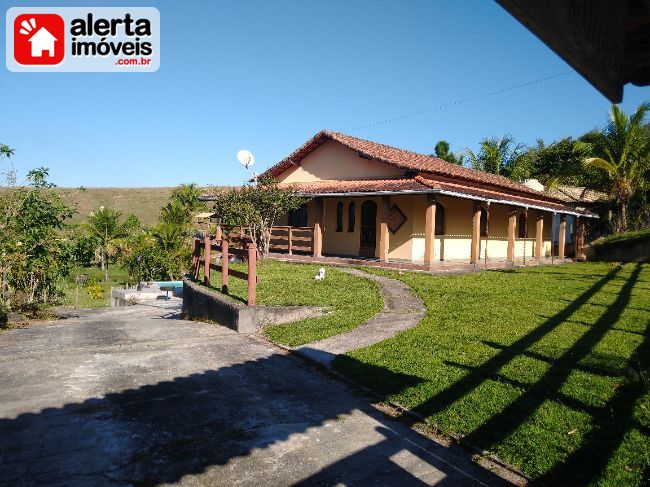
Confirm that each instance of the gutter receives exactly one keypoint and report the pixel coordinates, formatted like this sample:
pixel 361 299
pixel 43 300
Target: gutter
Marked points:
pixel 369 193
pixel 515 203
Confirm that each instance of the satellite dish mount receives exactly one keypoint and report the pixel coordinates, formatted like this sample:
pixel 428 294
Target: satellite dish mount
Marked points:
pixel 246 159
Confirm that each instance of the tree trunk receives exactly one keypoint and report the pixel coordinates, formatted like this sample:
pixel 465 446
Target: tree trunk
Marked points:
pixel 623 216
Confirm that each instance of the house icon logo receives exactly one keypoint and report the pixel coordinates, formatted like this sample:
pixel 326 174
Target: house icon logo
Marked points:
pixel 39 39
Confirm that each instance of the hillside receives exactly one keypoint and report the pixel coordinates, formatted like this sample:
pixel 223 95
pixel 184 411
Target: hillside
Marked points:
pixel 145 203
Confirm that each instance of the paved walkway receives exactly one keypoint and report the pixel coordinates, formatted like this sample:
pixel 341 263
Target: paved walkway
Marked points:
pixel 136 396
pixel 402 310
pixel 439 267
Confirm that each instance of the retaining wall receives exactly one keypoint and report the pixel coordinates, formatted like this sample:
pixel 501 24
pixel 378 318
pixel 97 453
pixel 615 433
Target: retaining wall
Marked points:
pixel 634 251
pixel 199 302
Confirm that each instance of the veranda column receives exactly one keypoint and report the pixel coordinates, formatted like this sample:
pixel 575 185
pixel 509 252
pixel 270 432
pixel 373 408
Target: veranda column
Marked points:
pixel 476 233
pixel 383 228
pixel 512 225
pixel 430 230
pixel 207 246
pixel 580 238
pixel 562 237
pixel 318 227
pixel 539 234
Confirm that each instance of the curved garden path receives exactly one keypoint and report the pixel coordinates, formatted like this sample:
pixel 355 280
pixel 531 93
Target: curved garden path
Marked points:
pixel 402 310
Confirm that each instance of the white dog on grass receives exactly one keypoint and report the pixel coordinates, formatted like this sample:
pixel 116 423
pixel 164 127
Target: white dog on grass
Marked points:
pixel 321 274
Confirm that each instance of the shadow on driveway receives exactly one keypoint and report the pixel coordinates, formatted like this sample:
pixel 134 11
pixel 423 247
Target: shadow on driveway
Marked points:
pixel 266 421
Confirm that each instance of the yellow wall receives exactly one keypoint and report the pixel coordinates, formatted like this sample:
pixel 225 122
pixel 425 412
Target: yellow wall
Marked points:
pixel 341 243
pixel 347 243
pixel 333 161
pixel 408 242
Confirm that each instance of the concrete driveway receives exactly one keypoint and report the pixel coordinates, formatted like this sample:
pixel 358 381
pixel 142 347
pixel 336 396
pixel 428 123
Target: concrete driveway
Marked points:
pixel 136 396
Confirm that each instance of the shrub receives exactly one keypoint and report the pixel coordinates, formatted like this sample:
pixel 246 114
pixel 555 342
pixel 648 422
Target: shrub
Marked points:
pixel 95 290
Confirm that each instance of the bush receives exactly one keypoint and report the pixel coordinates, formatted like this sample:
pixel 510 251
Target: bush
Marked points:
pixel 149 262
pixel 84 250
pixel 95 290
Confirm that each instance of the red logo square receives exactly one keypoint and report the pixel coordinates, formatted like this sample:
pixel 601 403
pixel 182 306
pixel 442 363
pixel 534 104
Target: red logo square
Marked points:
pixel 39 39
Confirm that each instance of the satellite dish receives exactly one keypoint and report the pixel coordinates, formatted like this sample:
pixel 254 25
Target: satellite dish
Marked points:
pixel 246 158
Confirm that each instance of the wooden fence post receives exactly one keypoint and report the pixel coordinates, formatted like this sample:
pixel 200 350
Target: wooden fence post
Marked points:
pixel 206 260
pixel 252 273
pixel 289 249
pixel 196 257
pixel 224 266
pixel 580 238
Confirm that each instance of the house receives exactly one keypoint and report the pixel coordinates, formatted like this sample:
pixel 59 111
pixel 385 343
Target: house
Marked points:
pixel 42 41
pixel 372 200
pixel 585 200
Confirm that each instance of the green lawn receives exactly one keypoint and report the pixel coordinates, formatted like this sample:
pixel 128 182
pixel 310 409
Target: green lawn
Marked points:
pixel 118 277
pixel 546 367
pixel 351 300
pixel 628 237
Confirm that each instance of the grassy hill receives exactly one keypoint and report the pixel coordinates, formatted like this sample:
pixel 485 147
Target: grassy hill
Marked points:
pixel 145 203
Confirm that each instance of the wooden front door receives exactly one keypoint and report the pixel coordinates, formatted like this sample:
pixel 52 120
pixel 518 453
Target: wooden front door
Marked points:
pixel 368 229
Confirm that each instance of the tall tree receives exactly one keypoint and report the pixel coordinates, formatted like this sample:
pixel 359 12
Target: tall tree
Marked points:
pixel 442 152
pixel 622 153
pixel 258 206
pixel 187 195
pixel 33 261
pixel 501 156
pixel 108 234
pixel 561 163
pixel 164 251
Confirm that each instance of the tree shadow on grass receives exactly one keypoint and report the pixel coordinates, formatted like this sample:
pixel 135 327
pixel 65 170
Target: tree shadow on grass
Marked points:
pixel 611 423
pixel 549 386
pixel 582 466
pixel 477 376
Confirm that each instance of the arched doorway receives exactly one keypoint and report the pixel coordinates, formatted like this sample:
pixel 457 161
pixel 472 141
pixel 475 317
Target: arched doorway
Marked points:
pixel 368 229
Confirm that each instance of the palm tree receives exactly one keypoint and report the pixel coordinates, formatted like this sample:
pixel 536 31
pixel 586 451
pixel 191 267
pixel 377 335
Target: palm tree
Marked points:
pixel 187 195
pixel 623 150
pixel 502 156
pixel 175 213
pixel 105 229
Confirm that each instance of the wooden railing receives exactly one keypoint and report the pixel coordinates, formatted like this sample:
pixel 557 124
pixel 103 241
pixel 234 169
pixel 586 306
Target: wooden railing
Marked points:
pixel 292 239
pixel 234 232
pixel 225 248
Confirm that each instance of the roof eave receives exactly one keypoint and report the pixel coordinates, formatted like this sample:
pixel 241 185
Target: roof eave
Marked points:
pixel 564 211
pixel 367 193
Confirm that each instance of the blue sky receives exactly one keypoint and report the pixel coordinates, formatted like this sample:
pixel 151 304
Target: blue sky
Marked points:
pixel 267 75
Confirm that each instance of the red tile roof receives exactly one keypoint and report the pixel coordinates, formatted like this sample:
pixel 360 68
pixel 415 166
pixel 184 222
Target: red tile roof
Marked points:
pixel 400 158
pixel 484 193
pixel 360 186
pixel 430 174
pixel 421 184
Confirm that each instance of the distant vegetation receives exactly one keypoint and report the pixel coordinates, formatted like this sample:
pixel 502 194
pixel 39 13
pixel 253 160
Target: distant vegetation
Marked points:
pixel 39 247
pixel 614 159
pixel 46 231
pixel 627 237
pixel 144 203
